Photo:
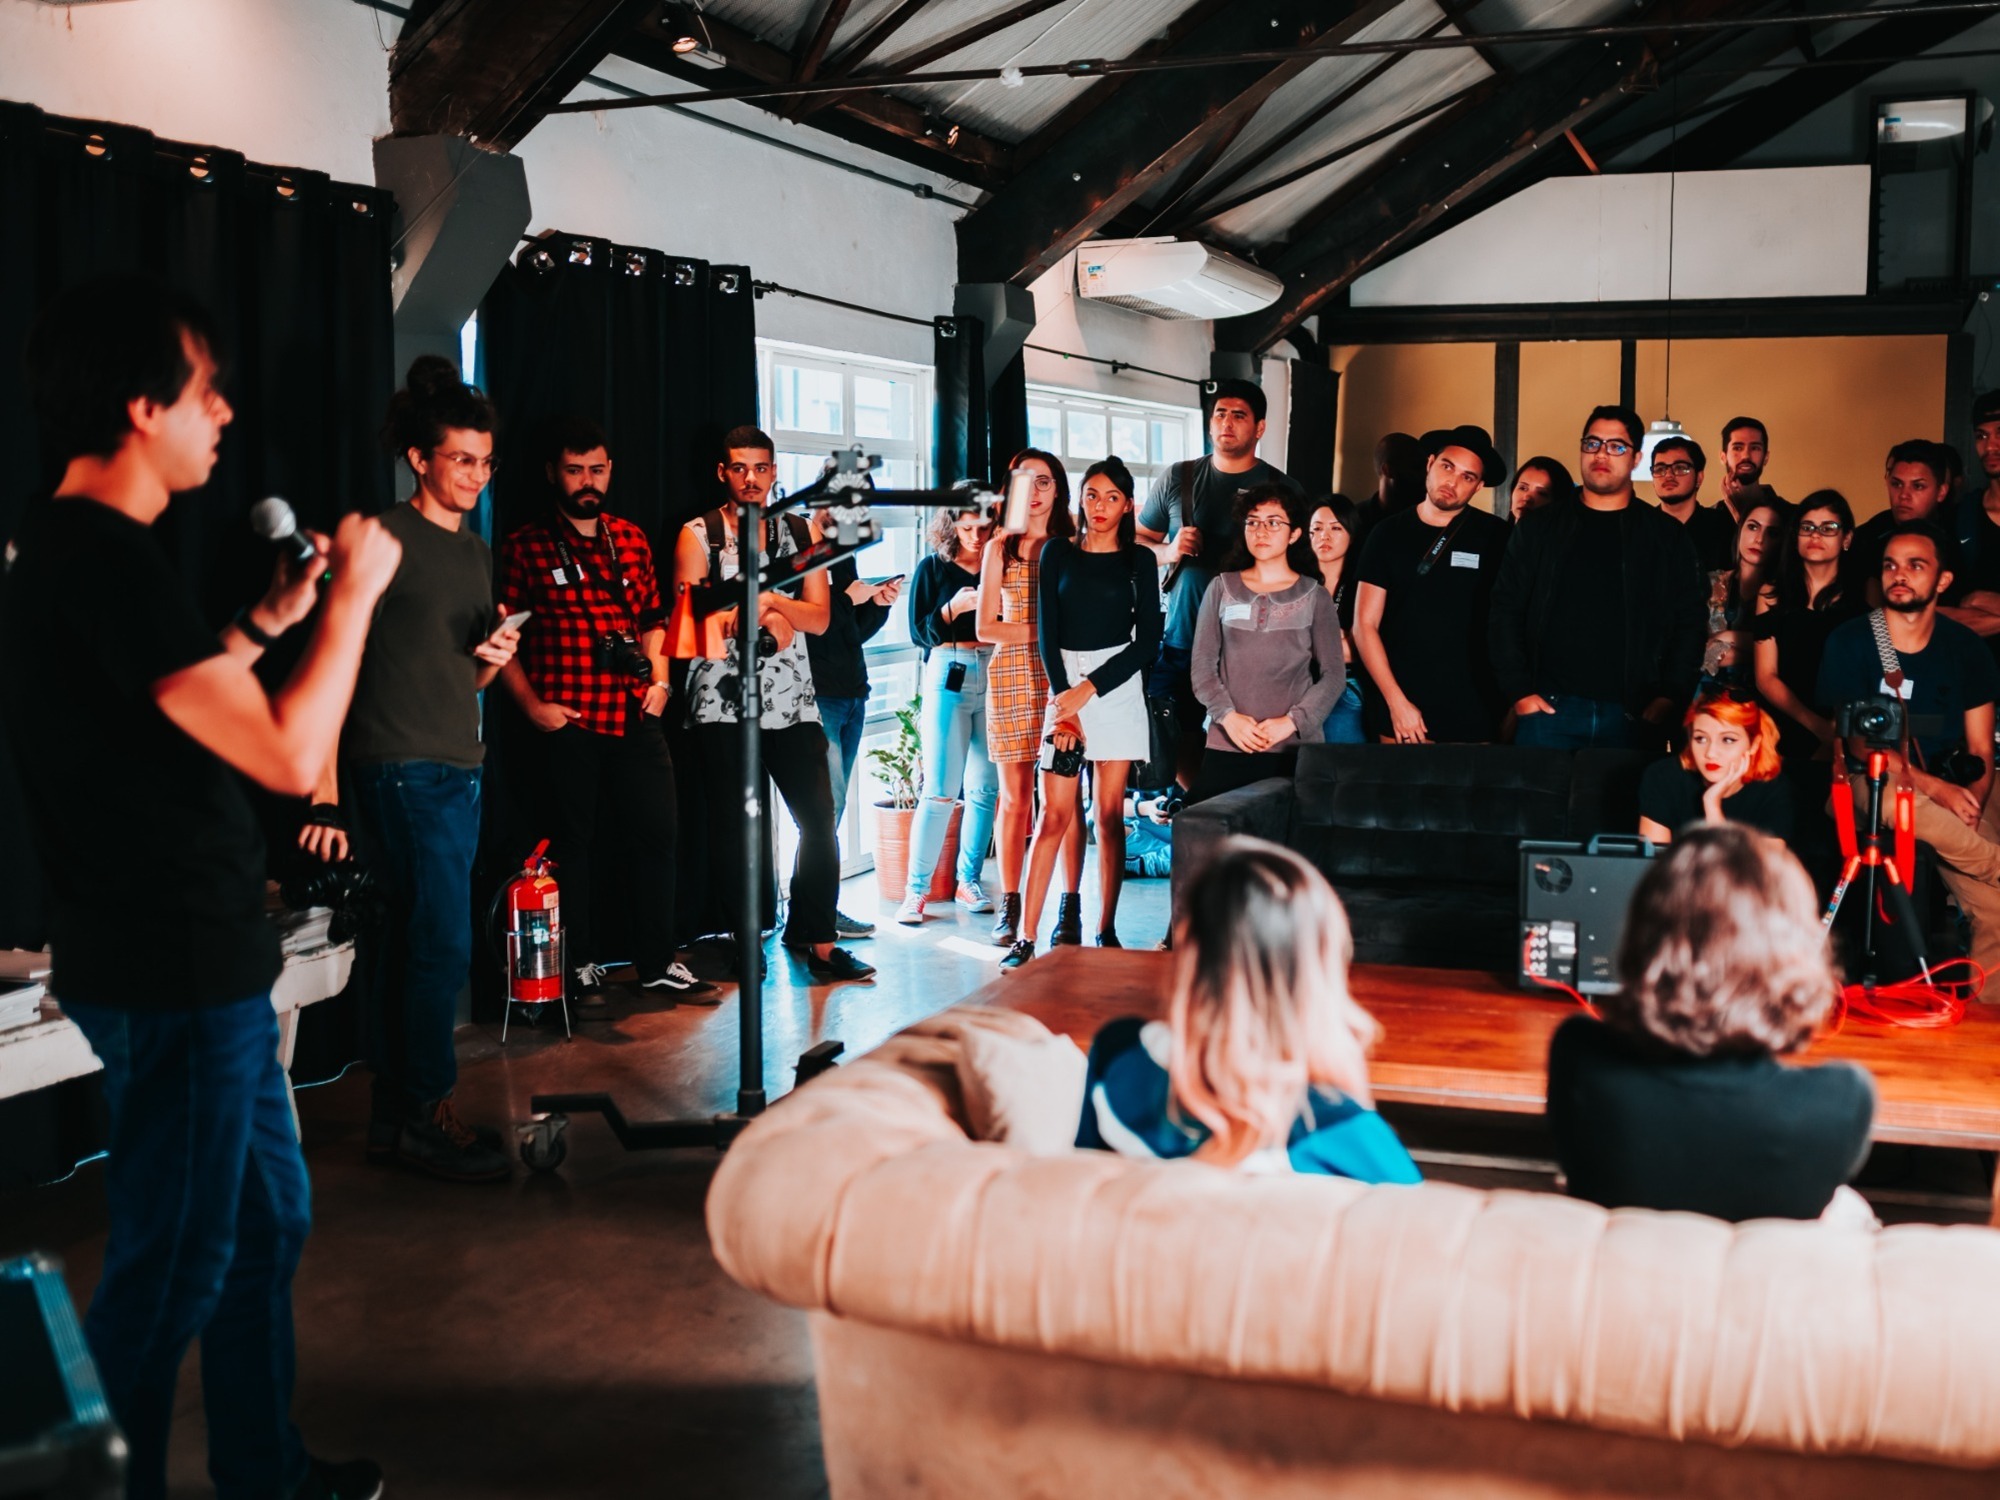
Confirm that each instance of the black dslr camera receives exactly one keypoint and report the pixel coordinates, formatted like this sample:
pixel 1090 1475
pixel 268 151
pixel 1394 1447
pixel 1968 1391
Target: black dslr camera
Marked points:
pixel 620 655
pixel 1878 719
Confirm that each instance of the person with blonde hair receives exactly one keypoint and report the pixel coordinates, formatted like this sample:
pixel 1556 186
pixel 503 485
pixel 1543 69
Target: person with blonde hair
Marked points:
pixel 1726 773
pixel 1261 1063
pixel 1678 1097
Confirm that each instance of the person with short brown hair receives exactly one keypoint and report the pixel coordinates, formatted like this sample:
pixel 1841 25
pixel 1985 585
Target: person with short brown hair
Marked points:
pixel 1678 1097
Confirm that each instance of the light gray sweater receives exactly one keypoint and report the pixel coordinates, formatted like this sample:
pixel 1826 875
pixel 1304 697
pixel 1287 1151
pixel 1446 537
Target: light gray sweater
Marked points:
pixel 1254 654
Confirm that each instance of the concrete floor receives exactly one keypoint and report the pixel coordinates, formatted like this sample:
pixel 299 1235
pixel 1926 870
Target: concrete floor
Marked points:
pixel 570 1335
pixel 565 1335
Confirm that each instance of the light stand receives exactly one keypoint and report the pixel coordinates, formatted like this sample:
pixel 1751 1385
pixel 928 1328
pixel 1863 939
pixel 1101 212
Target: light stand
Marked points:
pixel 844 480
pixel 1871 860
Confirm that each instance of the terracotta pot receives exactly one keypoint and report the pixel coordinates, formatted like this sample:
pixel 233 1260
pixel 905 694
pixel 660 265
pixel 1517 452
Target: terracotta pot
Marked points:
pixel 892 853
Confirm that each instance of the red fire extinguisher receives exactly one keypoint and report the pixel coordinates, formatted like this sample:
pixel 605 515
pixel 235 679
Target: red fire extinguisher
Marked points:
pixel 534 932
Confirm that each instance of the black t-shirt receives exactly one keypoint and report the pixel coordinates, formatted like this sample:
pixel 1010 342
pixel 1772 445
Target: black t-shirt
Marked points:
pixel 1639 1126
pixel 1167 510
pixel 153 859
pixel 1713 531
pixel 1093 601
pixel 1800 635
pixel 1434 622
pixel 1584 653
pixel 1670 794
pixel 1983 572
pixel 1953 673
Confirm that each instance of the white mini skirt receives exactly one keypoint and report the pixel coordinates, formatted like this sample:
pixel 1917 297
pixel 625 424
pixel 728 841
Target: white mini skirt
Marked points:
pixel 1114 723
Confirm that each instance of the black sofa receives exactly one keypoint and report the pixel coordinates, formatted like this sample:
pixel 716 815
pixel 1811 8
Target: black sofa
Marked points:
pixel 1422 841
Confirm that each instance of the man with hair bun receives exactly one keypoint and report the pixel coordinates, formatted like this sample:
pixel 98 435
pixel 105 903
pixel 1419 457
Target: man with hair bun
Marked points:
pixel 412 752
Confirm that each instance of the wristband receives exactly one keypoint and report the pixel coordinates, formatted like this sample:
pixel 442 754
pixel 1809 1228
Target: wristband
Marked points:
pixel 326 815
pixel 257 635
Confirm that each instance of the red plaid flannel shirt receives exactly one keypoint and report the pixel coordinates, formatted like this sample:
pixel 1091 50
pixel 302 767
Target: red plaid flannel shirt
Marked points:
pixel 559 642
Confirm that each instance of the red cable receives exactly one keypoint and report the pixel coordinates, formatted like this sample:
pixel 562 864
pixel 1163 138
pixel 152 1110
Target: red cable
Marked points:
pixel 1913 1003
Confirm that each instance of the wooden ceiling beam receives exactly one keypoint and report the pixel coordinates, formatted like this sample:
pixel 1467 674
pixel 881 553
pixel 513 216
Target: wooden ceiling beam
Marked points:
pixel 489 69
pixel 944 46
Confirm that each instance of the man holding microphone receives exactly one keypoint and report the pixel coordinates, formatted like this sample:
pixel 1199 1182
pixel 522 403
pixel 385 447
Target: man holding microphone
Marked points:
pixel 140 717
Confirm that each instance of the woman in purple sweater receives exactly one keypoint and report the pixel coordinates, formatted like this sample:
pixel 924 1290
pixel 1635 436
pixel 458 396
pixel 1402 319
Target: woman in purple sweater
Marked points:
pixel 1266 652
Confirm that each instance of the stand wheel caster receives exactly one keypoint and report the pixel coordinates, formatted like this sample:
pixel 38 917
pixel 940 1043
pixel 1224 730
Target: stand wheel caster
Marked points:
pixel 542 1145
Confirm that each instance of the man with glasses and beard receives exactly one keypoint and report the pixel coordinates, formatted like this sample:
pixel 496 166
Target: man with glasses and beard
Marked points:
pixel 1599 615
pixel 592 677
pixel 1948 688
pixel 1426 583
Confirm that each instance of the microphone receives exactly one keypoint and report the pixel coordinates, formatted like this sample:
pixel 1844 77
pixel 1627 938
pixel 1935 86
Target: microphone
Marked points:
pixel 273 520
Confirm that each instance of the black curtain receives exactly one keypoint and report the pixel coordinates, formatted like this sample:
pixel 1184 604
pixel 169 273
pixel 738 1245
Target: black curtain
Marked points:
pixel 294 268
pixel 960 400
pixel 662 351
pixel 1309 438
pixel 1007 413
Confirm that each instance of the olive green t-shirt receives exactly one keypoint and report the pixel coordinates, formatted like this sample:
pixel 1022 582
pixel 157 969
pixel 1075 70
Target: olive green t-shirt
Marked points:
pixel 417 697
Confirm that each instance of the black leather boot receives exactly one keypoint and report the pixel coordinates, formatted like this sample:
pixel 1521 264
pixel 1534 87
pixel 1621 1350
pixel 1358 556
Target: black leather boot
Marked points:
pixel 1069 923
pixel 1008 927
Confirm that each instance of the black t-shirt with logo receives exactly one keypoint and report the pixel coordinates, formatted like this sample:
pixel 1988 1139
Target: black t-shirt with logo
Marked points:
pixel 1952 674
pixel 1583 654
pixel 1434 621
pixel 152 857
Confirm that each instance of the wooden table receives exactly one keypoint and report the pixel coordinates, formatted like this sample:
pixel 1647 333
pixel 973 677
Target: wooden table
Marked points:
pixel 1462 1040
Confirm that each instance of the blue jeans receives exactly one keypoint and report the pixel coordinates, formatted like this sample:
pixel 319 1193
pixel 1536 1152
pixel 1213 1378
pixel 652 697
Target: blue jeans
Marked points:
pixel 953 730
pixel 209 1208
pixel 416 829
pixel 842 719
pixel 1343 725
pixel 1586 724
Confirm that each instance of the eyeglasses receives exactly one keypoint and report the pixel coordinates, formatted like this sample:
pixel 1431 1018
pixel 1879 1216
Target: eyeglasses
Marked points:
pixel 1267 523
pixel 1680 470
pixel 469 463
pixel 1616 447
pixel 1820 528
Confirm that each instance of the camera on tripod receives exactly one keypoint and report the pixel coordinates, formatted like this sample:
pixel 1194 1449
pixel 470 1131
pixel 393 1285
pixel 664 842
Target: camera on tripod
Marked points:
pixel 620 654
pixel 1877 719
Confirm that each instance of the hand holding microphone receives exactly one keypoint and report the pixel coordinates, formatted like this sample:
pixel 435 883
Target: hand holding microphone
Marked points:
pixel 361 560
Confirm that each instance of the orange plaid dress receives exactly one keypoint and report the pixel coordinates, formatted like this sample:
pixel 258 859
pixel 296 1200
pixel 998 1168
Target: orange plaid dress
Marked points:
pixel 1017 689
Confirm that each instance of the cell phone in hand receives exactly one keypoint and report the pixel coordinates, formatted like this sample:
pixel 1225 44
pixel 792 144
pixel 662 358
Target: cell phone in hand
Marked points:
pixel 516 619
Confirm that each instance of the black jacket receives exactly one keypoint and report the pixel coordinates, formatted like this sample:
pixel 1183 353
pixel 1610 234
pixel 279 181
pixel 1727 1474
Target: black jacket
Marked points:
pixel 1666 613
pixel 839 670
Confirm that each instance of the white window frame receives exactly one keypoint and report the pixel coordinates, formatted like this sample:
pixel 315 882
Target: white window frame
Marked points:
pixel 1146 467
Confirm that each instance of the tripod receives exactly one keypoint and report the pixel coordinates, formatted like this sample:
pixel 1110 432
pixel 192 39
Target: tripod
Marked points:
pixel 1870 861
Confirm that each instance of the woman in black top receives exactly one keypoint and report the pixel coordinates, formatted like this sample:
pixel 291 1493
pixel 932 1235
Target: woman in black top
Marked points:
pixel 1330 534
pixel 1677 1098
pixel 1100 630
pixel 1728 773
pixel 944 620
pixel 1816 592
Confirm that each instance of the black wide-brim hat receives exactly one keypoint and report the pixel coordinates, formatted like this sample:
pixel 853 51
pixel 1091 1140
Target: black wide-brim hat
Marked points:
pixel 1474 440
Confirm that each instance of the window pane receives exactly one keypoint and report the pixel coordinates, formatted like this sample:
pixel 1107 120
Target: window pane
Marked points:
pixel 808 400
pixel 1128 438
pixel 1086 435
pixel 883 407
pixel 1169 442
pixel 1045 428
pixel 797 470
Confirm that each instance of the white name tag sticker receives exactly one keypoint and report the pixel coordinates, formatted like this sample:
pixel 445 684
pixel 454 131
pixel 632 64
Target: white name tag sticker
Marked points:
pixel 1465 559
pixel 1909 686
pixel 560 575
pixel 1234 612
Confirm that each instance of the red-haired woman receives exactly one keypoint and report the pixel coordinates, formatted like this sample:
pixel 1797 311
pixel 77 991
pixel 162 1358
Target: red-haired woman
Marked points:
pixel 1727 774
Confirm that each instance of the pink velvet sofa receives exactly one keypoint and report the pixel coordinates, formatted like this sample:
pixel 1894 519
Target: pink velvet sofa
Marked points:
pixel 991 1323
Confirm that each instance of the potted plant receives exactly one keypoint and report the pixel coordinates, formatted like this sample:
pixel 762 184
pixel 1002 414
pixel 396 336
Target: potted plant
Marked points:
pixel 900 764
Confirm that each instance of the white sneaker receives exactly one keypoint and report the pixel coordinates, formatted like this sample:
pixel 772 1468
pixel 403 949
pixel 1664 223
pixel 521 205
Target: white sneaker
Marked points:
pixel 590 978
pixel 911 912
pixel 972 896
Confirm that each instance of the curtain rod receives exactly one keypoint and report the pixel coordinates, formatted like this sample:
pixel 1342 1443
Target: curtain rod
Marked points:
pixel 1117 365
pixel 1101 67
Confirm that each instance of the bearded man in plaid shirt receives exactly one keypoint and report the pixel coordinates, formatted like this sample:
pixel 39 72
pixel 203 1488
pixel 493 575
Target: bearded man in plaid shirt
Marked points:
pixel 591 674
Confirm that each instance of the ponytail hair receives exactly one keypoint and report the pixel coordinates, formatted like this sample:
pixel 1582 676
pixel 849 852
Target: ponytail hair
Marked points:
pixel 432 401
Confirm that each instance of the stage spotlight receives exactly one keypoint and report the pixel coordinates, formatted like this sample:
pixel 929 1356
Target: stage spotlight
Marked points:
pixel 682 28
pixel 200 171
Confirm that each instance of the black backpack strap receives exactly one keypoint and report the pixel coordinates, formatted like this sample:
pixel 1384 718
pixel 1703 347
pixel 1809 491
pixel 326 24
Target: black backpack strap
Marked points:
pixel 712 525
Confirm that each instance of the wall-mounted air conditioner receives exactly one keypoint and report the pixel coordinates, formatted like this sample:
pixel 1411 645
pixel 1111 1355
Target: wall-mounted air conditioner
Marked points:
pixel 1169 278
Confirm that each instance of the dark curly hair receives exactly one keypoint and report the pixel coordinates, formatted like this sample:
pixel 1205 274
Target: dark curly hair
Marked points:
pixel 432 401
pixel 1298 555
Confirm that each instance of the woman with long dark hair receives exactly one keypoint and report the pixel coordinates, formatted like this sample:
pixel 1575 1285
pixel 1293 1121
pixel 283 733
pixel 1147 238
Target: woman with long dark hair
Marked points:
pixel 1100 630
pixel 944 606
pixel 1017 688
pixel 1816 591
pixel 1747 588
pixel 1540 481
pixel 1330 535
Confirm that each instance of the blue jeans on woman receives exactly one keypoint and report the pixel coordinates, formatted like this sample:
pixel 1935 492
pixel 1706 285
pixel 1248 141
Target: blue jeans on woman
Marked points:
pixel 1343 725
pixel 842 719
pixel 416 829
pixel 952 728
pixel 209 1207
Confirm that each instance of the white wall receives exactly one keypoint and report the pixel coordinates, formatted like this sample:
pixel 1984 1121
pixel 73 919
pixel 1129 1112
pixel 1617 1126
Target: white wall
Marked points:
pixel 296 83
pixel 1066 322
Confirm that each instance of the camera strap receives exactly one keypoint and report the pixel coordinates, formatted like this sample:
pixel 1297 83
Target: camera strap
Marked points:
pixel 589 578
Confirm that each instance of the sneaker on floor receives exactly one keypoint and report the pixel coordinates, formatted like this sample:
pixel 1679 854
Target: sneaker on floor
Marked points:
pixel 440 1143
pixel 846 927
pixel 911 912
pixel 972 896
pixel 589 980
pixel 1020 953
pixel 839 964
pixel 679 978
pixel 358 1479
